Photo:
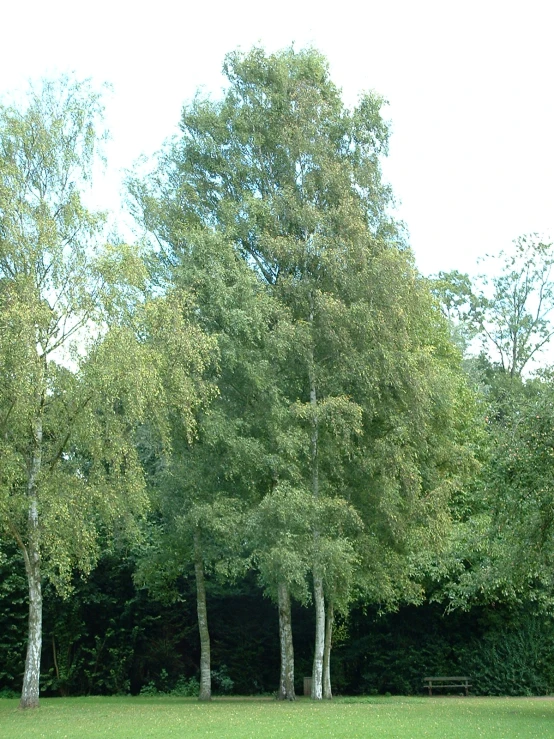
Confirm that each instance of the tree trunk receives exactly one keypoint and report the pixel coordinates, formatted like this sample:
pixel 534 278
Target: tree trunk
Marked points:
pixel 319 600
pixel 317 671
pixel 31 555
pixel 327 693
pixel 205 662
pixel 31 677
pixel 286 681
pixel 314 438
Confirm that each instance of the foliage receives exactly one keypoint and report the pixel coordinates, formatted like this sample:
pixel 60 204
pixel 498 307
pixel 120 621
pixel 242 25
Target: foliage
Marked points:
pixel 505 651
pixel 501 547
pixel 51 288
pixel 275 383
pixel 517 661
pixel 283 545
pixel 13 617
pixel 510 307
pixel 518 487
pixel 112 639
pixel 516 316
pixel 184 688
pixel 292 179
pixel 458 303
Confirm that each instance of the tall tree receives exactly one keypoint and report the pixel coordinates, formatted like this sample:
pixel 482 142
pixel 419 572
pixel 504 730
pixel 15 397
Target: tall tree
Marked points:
pixel 205 486
pixel 76 379
pixel 292 179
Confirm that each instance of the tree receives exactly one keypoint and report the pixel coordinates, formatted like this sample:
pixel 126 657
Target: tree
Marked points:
pixel 459 305
pixel 292 179
pixel 281 539
pixel 516 317
pixel 203 489
pixel 502 550
pixel 191 531
pixel 76 379
pixel 501 547
pixel 518 486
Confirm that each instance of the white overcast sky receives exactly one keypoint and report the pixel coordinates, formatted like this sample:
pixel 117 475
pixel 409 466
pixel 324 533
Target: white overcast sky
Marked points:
pixel 469 85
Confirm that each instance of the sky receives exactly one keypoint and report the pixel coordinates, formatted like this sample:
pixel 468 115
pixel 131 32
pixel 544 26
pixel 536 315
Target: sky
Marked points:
pixel 469 88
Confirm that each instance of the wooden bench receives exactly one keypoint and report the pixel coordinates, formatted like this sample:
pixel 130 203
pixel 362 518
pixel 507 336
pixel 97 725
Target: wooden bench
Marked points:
pixel 447 681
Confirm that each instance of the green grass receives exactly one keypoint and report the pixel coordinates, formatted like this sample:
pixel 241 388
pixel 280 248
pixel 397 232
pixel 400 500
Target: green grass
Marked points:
pixel 245 718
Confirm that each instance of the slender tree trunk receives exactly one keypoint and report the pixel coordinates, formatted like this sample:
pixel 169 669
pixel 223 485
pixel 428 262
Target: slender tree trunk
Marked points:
pixel 317 671
pixel 31 677
pixel 205 662
pixel 327 693
pixel 319 599
pixel 31 555
pixel 314 440
pixel 286 681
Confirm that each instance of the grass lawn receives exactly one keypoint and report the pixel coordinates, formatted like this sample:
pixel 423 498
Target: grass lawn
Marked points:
pixel 261 718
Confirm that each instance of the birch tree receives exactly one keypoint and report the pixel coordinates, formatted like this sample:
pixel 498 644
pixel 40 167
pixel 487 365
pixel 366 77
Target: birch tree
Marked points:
pixel 292 178
pixel 509 308
pixel 516 315
pixel 76 378
pixel 205 487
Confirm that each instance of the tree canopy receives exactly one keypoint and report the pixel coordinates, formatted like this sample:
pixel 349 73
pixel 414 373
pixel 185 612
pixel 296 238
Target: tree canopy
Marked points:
pixel 370 393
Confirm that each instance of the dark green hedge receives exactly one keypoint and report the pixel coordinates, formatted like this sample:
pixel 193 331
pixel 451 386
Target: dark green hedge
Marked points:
pixel 110 638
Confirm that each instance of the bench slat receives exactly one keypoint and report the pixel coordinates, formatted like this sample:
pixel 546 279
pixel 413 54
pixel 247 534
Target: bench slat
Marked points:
pixel 447 681
pixel 447 677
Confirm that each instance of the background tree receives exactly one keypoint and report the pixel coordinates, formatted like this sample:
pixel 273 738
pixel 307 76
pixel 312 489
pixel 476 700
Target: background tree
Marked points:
pixel 509 308
pixel 517 317
pixel 500 546
pixel 518 486
pixel 459 304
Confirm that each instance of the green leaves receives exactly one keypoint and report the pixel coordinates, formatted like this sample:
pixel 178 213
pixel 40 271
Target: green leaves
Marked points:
pixel 86 354
pixel 516 313
pixel 281 535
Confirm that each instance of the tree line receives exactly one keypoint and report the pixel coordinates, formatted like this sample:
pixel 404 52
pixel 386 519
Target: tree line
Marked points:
pixel 263 385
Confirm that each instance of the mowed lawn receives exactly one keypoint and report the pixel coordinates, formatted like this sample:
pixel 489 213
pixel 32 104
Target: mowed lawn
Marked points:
pixel 258 718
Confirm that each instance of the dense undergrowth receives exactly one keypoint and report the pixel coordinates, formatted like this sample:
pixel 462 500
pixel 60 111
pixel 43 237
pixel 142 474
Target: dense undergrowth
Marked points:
pixel 111 638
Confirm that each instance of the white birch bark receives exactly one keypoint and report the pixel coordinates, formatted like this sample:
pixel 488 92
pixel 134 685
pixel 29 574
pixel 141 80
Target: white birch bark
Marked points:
pixel 205 693
pixel 31 555
pixel 286 681
pixel 317 671
pixel 327 692
pixel 319 600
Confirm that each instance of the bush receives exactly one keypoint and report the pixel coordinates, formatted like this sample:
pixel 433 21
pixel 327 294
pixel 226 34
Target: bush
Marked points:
pixel 184 687
pixel 516 661
pixel 505 651
pixel 221 681
pixel 7 693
